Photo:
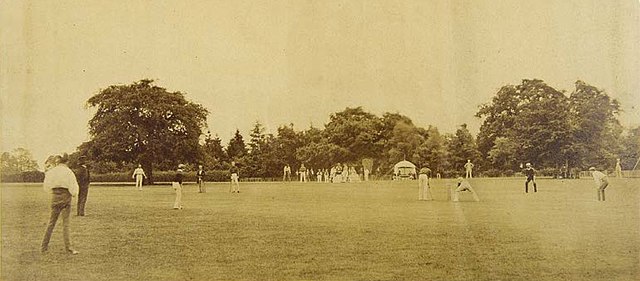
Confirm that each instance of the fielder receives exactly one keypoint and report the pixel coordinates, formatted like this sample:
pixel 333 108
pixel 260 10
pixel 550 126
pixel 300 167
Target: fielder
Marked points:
pixel 463 185
pixel 200 174
pixel 138 174
pixel 177 186
pixel 302 173
pixel 424 190
pixel 601 181
pixel 530 172
pixel 234 178
pixel 618 169
pixel 468 168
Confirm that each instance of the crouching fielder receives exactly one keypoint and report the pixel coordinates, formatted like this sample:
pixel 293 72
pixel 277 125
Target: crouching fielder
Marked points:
pixel 424 190
pixel 463 185
pixel 601 180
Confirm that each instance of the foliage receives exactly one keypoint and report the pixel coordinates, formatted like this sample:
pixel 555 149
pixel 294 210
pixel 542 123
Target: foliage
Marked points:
pixel 144 123
pixel 536 123
pixel 236 148
pixel 356 131
pixel 462 147
pixel 630 153
pixel 17 161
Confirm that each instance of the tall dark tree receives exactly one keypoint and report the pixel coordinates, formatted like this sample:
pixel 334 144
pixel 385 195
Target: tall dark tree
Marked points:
pixel 433 152
pixel 215 156
pixel 287 142
pixel 255 160
pixel 144 123
pixel 462 147
pixel 236 148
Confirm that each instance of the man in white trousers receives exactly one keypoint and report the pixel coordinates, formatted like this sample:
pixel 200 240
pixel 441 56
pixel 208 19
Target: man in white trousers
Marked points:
pixel 424 190
pixel 464 185
pixel 138 175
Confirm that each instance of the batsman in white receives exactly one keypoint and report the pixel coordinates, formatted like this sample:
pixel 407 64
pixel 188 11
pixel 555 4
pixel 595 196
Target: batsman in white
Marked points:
pixel 464 185
pixel 424 190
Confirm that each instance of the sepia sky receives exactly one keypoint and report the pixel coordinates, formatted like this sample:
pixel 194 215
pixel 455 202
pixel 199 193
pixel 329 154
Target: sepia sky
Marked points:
pixel 297 61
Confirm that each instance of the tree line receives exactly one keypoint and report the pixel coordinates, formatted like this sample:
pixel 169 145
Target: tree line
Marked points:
pixel 530 122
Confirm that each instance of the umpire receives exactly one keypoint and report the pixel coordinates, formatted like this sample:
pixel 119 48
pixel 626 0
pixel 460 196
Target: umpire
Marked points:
pixel 83 177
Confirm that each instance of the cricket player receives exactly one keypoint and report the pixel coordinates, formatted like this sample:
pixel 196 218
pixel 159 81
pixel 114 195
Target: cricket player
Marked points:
pixel 83 178
pixel 468 168
pixel 530 172
pixel 424 190
pixel 601 181
pixel 200 174
pixel 286 176
pixel 234 178
pixel 464 185
pixel 618 169
pixel 138 175
pixel 62 184
pixel 177 186
pixel 303 173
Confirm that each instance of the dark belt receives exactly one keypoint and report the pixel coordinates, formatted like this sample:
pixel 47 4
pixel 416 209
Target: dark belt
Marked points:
pixel 59 190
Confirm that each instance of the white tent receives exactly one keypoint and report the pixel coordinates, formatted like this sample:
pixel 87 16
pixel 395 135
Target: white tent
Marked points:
pixel 404 169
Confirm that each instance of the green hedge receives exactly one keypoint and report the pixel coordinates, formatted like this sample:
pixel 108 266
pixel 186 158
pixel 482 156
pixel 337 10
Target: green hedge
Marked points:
pixel 30 176
pixel 162 176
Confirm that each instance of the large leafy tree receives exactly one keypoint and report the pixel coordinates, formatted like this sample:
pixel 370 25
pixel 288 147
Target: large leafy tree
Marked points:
pixel 596 129
pixel 533 117
pixel 144 123
pixel 356 131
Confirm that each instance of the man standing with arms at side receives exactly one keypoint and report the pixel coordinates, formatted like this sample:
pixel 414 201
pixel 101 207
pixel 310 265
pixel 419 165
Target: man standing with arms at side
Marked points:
pixel 61 183
pixel 138 175
pixel 618 169
pixel 530 172
pixel 200 176
pixel 234 178
pixel 601 180
pixel 83 177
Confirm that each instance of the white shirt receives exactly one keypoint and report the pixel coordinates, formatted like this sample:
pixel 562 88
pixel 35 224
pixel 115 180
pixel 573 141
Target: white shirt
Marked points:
pixel 61 177
pixel 139 172
pixel 598 177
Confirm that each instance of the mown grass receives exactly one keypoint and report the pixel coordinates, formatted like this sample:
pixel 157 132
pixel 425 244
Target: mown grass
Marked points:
pixel 359 231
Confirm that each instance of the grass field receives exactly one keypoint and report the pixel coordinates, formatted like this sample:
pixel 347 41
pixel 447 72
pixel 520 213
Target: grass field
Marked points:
pixel 359 231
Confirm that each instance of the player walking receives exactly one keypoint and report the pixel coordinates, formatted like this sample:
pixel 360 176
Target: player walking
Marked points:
pixel 61 183
pixel 601 181
pixel 530 172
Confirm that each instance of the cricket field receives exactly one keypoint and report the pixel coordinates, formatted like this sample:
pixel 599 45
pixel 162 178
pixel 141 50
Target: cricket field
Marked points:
pixel 320 231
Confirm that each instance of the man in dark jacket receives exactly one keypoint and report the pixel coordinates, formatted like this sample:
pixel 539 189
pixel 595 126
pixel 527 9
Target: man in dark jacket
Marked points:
pixel 83 177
